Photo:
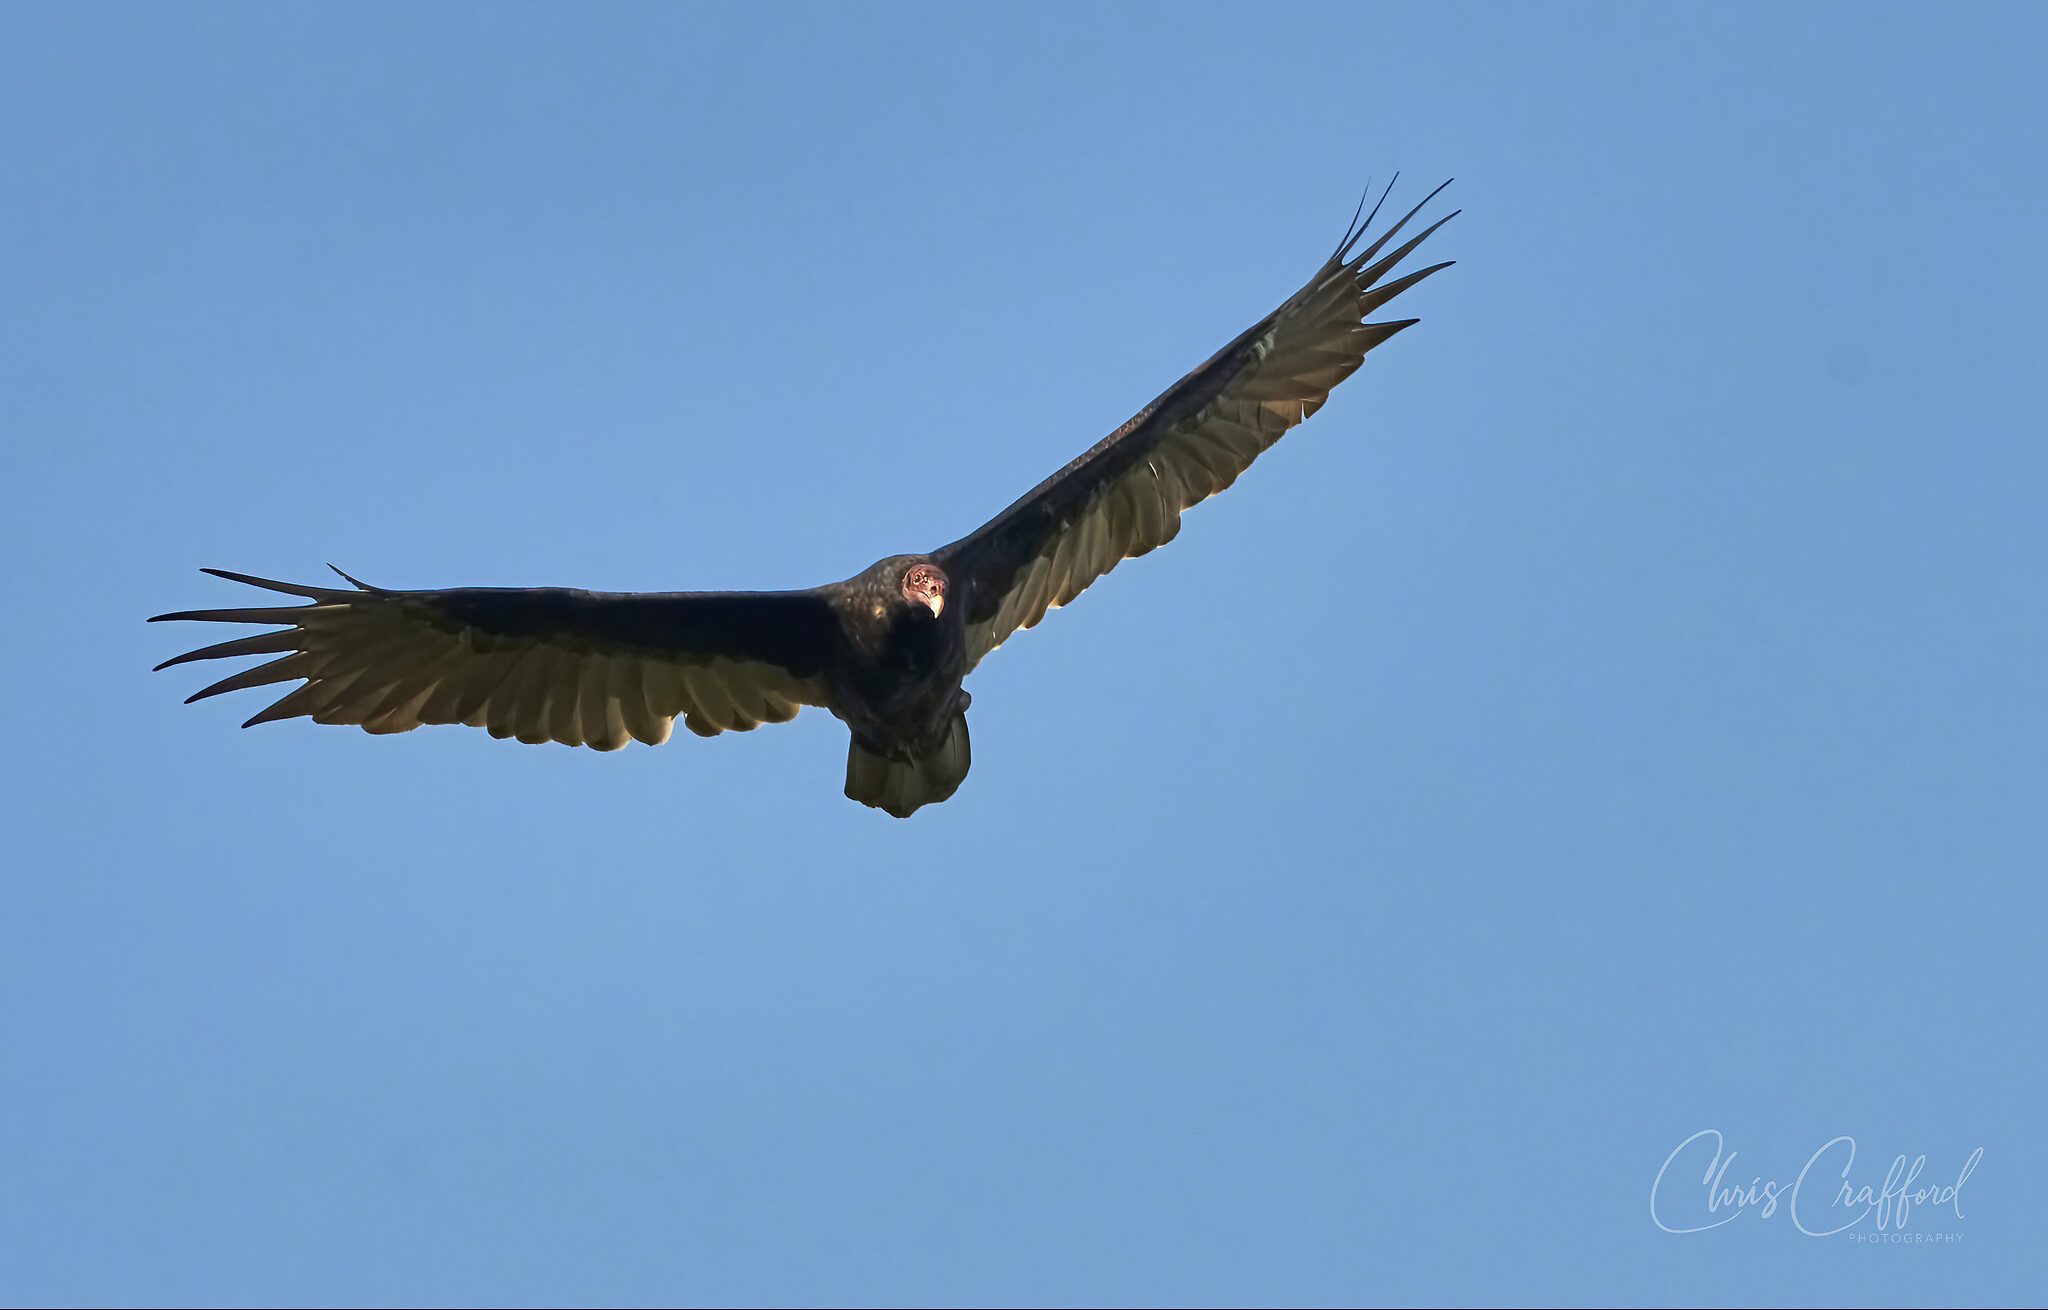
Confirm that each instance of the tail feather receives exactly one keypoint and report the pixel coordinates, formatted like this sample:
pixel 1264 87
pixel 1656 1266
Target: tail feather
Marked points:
pixel 901 786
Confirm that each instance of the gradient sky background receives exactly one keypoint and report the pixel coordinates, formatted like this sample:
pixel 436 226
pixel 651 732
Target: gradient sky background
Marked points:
pixel 1619 714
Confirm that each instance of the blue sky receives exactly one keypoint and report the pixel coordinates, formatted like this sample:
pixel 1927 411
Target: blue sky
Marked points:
pixel 1618 715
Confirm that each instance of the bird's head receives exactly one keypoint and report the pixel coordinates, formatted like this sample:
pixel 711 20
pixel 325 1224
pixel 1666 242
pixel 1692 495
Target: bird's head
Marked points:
pixel 925 585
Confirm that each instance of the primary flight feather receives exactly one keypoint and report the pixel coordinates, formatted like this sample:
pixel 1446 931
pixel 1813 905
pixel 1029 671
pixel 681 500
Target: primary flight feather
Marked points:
pixel 886 650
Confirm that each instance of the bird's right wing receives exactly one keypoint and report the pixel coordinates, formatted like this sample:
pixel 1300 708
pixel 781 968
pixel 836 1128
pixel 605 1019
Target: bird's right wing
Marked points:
pixel 539 664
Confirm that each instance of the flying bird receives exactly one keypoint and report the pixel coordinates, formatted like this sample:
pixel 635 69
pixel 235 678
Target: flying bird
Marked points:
pixel 884 651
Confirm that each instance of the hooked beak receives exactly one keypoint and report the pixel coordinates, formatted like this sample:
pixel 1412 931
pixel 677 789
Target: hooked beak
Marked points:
pixel 935 603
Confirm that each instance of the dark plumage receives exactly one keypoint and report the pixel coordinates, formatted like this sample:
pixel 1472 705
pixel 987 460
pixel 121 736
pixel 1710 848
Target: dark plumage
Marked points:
pixel 885 651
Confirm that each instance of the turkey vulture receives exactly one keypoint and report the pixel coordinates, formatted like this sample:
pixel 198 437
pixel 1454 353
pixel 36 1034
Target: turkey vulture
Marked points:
pixel 886 650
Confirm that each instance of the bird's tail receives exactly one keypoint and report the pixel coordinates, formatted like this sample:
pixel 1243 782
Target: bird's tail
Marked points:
pixel 900 786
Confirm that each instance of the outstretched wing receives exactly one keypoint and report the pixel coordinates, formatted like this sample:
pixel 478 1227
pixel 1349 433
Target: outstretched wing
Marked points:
pixel 541 664
pixel 1124 497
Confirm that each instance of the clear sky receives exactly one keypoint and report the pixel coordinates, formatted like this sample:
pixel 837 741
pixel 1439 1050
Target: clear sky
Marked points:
pixel 1618 715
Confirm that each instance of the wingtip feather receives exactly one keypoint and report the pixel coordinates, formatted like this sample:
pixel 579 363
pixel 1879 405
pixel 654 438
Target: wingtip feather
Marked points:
pixel 357 584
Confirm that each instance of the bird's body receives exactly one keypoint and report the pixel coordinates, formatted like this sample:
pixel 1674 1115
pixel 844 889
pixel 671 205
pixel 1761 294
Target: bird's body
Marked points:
pixel 897 689
pixel 898 680
pixel 885 651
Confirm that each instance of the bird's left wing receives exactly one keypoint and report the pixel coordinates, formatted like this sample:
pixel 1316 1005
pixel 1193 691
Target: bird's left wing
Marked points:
pixel 1124 496
pixel 540 664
